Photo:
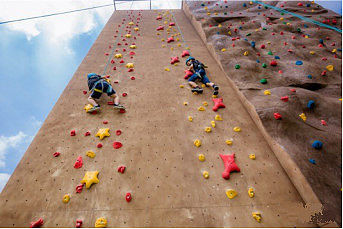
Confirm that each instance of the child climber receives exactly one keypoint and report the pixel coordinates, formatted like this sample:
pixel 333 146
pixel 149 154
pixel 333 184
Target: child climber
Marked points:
pixel 98 85
pixel 198 70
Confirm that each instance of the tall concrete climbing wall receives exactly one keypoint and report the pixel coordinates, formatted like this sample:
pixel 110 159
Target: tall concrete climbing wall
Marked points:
pixel 169 186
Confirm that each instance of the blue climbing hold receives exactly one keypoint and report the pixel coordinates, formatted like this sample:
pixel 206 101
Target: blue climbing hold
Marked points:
pixel 321 41
pixel 244 5
pixel 217 32
pixel 306 26
pixel 312 161
pixel 253 44
pixel 240 27
pixel 226 6
pixel 245 39
pixel 277 58
pixel 257 61
pixel 317 144
pixel 308 4
pixel 310 104
pixel 309 76
pixel 299 62
pixel 202 4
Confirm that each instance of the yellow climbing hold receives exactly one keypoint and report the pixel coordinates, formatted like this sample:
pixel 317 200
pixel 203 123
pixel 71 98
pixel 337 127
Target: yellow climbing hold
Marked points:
pixel 131 23
pixel 251 192
pixel 303 117
pixel 90 154
pixel 203 85
pixel 266 92
pixel 197 143
pixel 206 174
pixel 236 129
pixel 268 42
pixel 229 142
pixel 213 124
pixel 214 96
pixel 167 69
pixel 257 216
pixel 205 104
pixel 171 48
pixel 163 46
pixel 340 99
pixel 181 86
pixel 231 193
pixel 334 50
pixel 201 108
pixel 201 157
pixel 223 49
pixel 281 18
pixel 91 177
pixel 103 132
pixel 250 2
pixel 329 68
pixel 100 222
pixel 306 36
pixel 128 35
pixel 190 118
pixel 66 198
pixel 136 29
pixel 246 53
pixel 133 46
pixel 179 45
pixel 129 65
pixel 229 32
pixel 118 55
pixel 312 52
pixel 219 25
pixel 252 156
pixel 88 107
pixel 185 103
pixel 208 129
pixel 218 118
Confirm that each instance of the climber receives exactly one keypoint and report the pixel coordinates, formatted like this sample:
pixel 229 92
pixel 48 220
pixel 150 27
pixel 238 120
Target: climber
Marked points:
pixel 98 85
pixel 198 70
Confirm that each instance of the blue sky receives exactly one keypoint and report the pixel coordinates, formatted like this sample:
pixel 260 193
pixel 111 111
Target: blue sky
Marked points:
pixel 39 57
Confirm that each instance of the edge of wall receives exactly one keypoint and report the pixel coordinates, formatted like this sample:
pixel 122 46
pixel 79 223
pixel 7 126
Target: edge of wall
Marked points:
pixel 294 173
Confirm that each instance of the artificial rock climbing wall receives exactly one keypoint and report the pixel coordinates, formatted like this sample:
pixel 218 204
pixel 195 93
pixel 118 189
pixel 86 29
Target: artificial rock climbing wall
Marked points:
pixel 164 184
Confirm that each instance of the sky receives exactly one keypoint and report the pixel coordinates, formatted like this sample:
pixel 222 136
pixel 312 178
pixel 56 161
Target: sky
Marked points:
pixel 38 58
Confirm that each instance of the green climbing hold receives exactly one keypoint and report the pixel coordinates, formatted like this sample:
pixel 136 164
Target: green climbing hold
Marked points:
pixel 263 81
pixel 264 28
pixel 299 30
pixel 284 23
pixel 270 53
pixel 237 66
pixel 282 13
pixel 225 13
pixel 266 7
pixel 249 34
pixel 264 65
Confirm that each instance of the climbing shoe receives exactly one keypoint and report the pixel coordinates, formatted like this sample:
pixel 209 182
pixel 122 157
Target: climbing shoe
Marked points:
pixel 216 89
pixel 94 109
pixel 197 89
pixel 115 106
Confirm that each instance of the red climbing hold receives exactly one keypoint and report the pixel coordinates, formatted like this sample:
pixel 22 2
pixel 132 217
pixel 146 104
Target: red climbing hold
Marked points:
pixel 117 145
pixel 263 46
pixel 56 154
pixel 99 145
pixel 323 73
pixel 132 78
pixel 124 94
pixel 277 116
pixel 84 92
pixel 280 71
pixel 188 74
pixel 79 188
pixel 78 163
pixel 122 61
pixel 87 133
pixel 159 18
pixel 114 68
pixel 132 53
pixel 293 90
pixel 273 63
pixel 118 132
pixel 160 28
pixel 130 70
pixel 112 61
pixel 174 60
pixel 37 223
pixel 110 103
pixel 78 223
pixel 284 98
pixel 121 169
pixel 128 197
pixel 105 122
pixel 72 133
pixel 185 53
pixel 229 164
pixel 122 111
pixel 170 39
pixel 323 122
pixel 218 103
pixel 106 54
pixel 171 24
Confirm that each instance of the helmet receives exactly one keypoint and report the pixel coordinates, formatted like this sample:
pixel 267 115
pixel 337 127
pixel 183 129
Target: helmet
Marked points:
pixel 190 58
pixel 91 74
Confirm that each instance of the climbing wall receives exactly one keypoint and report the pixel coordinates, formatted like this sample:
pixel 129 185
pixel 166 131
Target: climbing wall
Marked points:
pixel 173 175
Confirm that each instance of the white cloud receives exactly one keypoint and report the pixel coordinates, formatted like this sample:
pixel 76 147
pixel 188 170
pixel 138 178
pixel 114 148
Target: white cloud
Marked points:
pixel 3 180
pixel 10 142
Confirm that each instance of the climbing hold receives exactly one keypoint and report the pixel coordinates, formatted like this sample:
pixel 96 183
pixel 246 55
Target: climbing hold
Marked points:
pixel 263 46
pixel 323 122
pixel 160 28
pixel 128 35
pixel 257 216
pixel 218 103
pixel 277 116
pixel 284 98
pixel 131 23
pixel 246 53
pixel 252 156
pixel 121 169
pixel 133 46
pixel 118 55
pixel 117 145
pixel 105 122
pixel 90 154
pixel 273 63
pixel 78 163
pixel 66 198
pixel 205 103
pixel 201 108
pixel 201 157
pixel 299 62
pixel 99 145
pixel 229 164
pixel 102 133
pixel 174 60
pixel 181 86
pixel 185 103
pixel 223 49
pixel 129 65
pixel 310 104
pixel 266 92
pixel 206 175
pixel 251 192
pixel 190 118
pixel 264 65
pixel 72 133
pixel 91 177
pixel 37 223
pixel 312 161
pixel 213 124
pixel 317 144
pixel 218 118
pixel 167 69
pixel 197 143
pixel 329 68
pixel 208 129
pixel 237 66
pixel 136 29
pixel 303 117
pixel 230 193
pixel 128 197
pixel 229 142
pixel 253 43
pixel 56 154
pixel 236 129
pixel 78 223
pixel 170 39
pixel 188 74
pixel 79 188
pixel 185 53
pixel 118 132
pixel 100 223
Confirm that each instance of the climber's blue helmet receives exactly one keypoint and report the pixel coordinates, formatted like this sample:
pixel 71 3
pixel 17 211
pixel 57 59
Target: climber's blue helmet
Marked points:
pixel 91 74
pixel 189 58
